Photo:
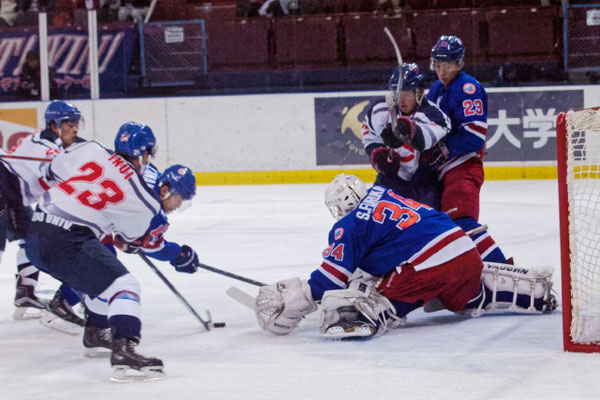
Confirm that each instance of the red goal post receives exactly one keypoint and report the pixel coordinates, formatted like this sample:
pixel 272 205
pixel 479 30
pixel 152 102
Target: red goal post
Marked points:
pixel 578 162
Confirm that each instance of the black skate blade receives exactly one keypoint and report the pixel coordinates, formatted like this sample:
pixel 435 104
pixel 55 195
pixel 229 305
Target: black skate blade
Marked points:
pixel 124 373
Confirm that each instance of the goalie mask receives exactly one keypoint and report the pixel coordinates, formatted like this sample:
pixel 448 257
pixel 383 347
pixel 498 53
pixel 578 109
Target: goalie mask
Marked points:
pixel 344 194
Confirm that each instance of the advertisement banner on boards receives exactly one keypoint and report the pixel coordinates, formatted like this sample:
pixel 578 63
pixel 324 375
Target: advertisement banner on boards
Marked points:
pixel 521 126
pixel 67 58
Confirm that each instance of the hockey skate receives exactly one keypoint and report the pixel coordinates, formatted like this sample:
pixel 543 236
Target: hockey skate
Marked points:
pixel 129 366
pixel 97 342
pixel 351 324
pixel 61 316
pixel 28 305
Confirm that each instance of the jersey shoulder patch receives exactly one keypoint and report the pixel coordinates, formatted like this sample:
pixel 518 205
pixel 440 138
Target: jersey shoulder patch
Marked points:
pixel 469 88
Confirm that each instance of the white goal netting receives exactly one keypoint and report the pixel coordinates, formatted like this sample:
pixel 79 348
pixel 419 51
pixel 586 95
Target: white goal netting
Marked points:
pixel 583 189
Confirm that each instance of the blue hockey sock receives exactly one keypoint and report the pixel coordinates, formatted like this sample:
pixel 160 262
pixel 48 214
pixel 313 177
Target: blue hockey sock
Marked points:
pixel 125 326
pixel 97 320
pixel 71 295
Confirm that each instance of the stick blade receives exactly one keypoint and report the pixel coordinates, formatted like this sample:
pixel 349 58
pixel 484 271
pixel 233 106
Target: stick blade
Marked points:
pixel 241 297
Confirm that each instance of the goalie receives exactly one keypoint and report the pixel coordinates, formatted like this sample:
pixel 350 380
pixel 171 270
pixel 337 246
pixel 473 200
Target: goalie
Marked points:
pixel 412 255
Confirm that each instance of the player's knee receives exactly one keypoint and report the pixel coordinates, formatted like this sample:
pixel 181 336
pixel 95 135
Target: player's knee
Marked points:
pixel 125 286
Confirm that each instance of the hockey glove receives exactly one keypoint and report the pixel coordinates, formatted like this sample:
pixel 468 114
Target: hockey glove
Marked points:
pixel 383 164
pixel 436 156
pixel 128 247
pixel 405 132
pixel 187 261
pixel 390 139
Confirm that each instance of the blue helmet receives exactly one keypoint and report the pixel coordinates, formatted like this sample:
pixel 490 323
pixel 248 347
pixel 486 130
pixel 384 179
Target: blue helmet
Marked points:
pixel 180 180
pixel 59 111
pixel 448 48
pixel 135 139
pixel 412 77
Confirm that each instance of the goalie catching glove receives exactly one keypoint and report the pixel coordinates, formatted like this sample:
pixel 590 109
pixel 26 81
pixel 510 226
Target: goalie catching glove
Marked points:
pixel 280 307
pixel 187 261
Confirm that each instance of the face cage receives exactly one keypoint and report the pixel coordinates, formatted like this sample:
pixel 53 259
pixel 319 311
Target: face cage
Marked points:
pixel 460 62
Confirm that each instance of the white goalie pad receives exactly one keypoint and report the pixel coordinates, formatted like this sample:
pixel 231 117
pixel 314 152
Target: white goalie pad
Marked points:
pixel 358 311
pixel 530 284
pixel 280 307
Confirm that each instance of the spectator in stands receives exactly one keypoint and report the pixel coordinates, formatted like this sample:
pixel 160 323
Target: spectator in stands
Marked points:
pixel 248 8
pixel 391 6
pixel 9 11
pixel 278 8
pixel 507 75
pixel 135 10
pixel 30 80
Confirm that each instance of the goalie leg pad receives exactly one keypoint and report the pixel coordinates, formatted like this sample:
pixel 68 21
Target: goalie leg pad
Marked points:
pixel 359 311
pixel 511 289
pixel 280 307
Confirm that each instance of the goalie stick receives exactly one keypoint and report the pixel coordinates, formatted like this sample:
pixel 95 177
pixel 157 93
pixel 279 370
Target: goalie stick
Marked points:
pixel 241 297
pixel 205 323
pixel 391 98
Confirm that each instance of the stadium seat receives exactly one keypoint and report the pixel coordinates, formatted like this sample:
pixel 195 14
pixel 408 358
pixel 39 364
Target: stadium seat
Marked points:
pixel 527 35
pixel 366 40
pixel 308 40
pixel 237 43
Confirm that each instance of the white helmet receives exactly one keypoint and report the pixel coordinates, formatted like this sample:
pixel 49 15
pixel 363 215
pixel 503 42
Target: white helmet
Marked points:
pixel 343 194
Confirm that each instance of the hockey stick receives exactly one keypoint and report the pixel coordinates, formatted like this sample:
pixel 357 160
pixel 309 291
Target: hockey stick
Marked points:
pixel 241 297
pixel 391 98
pixel 206 324
pixel 231 275
pixel 25 157
pixel 477 230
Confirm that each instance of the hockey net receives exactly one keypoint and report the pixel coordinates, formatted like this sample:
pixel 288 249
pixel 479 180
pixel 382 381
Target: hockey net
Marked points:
pixel 578 155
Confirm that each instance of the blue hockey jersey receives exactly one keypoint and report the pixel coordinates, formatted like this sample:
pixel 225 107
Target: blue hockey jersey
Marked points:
pixel 385 232
pixel 155 245
pixel 465 101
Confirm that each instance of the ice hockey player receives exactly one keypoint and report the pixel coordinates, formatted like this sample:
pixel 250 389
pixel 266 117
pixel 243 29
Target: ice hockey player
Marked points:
pixel 410 254
pixel 464 100
pixel 420 126
pixel 100 192
pixel 174 187
pixel 22 184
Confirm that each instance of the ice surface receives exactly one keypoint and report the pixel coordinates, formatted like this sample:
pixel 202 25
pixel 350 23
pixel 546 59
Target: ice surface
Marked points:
pixel 273 232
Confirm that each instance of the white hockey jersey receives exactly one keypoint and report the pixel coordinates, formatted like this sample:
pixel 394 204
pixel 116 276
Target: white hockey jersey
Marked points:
pixel 100 190
pixel 31 172
pixel 434 125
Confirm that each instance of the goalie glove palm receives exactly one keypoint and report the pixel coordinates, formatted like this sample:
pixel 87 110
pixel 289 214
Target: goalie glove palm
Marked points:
pixel 187 261
pixel 280 307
